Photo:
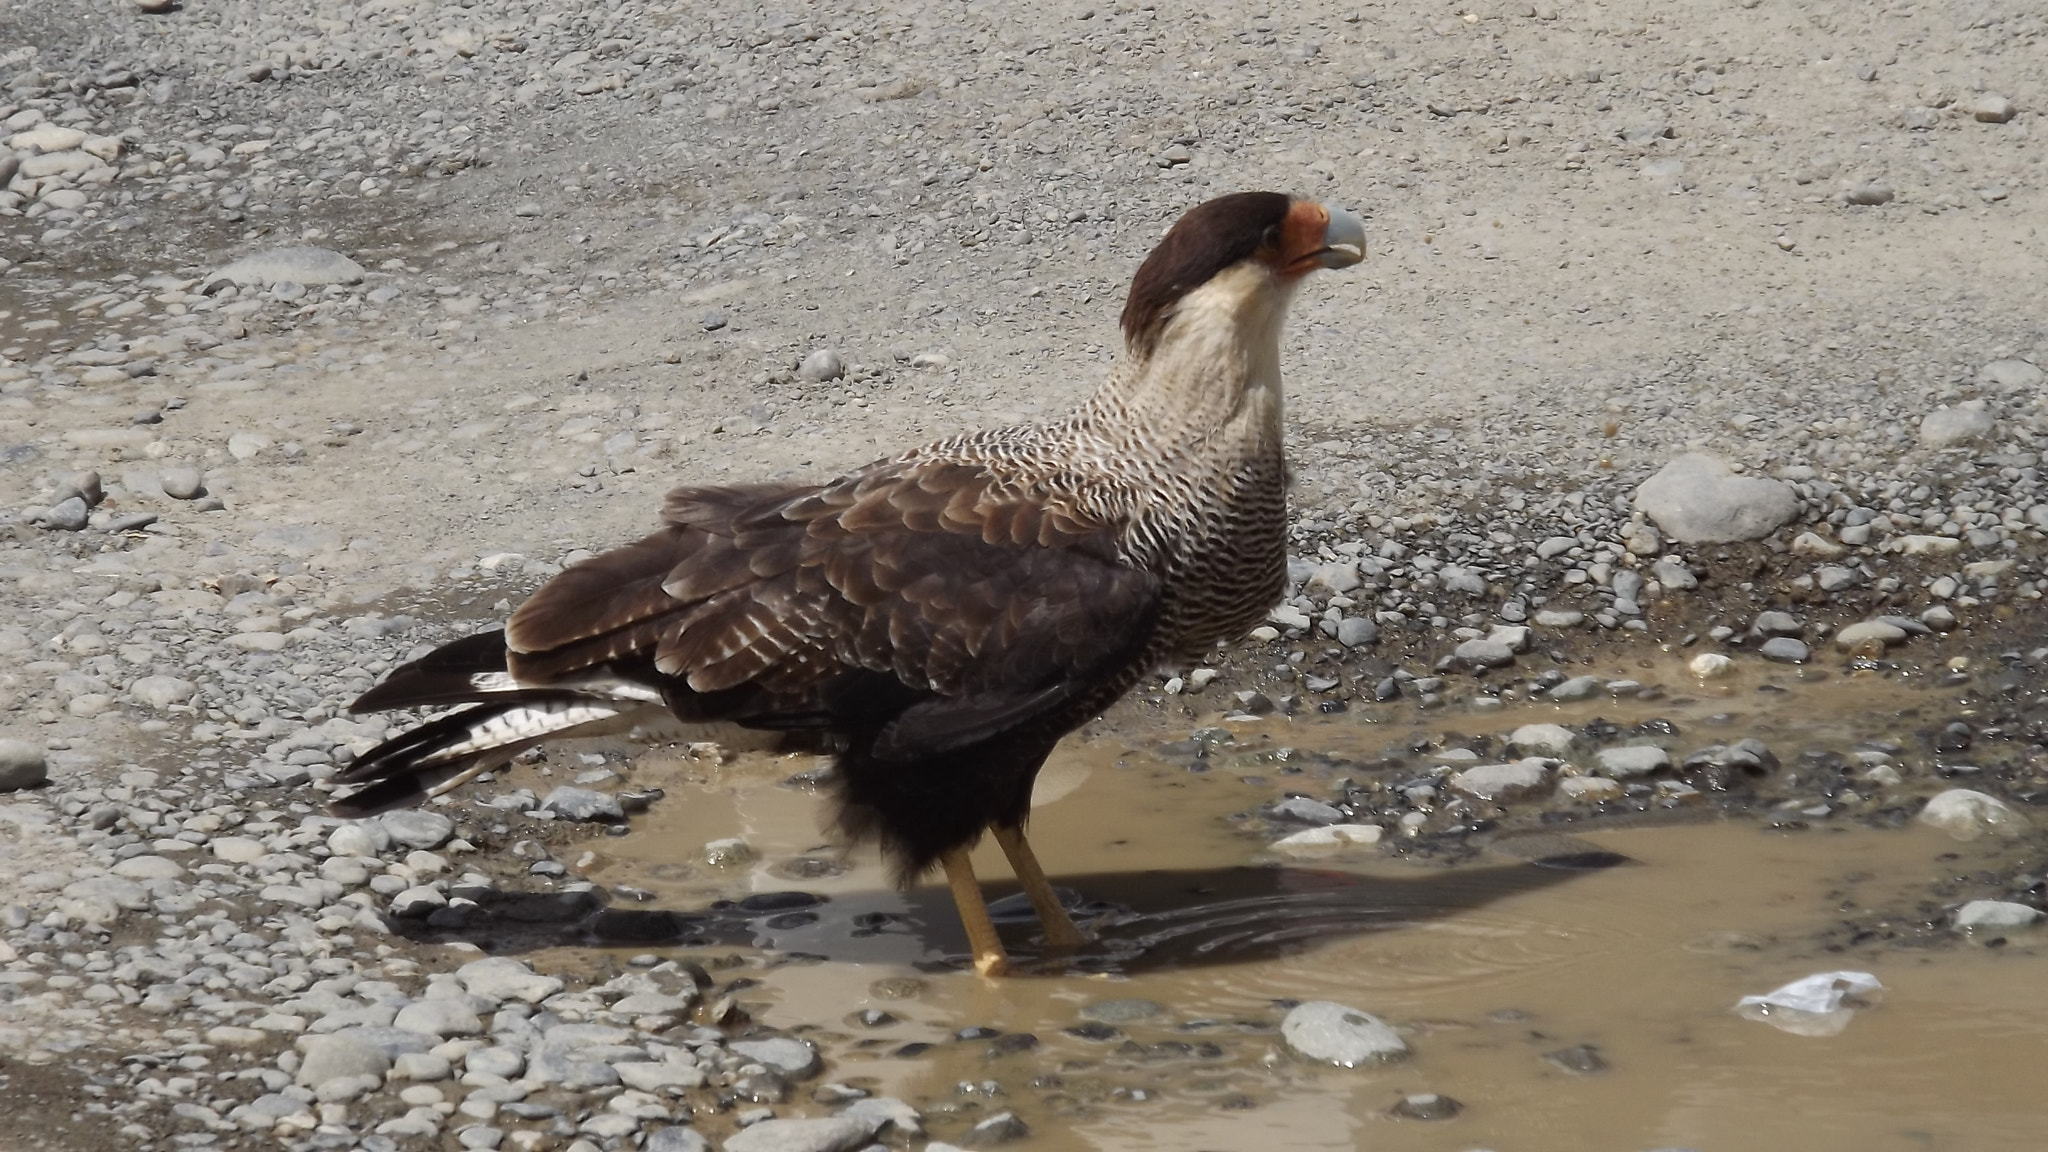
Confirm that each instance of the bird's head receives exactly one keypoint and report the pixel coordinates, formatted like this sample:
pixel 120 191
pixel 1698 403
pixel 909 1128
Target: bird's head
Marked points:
pixel 1264 241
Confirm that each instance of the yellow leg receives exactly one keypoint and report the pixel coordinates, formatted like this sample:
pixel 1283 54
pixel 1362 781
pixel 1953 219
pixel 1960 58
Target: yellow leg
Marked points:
pixel 989 959
pixel 1059 927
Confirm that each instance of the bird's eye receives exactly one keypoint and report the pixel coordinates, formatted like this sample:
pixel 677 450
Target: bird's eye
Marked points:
pixel 1271 236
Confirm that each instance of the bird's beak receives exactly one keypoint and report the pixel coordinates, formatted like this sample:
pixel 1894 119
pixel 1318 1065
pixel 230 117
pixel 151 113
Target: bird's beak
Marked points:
pixel 1343 239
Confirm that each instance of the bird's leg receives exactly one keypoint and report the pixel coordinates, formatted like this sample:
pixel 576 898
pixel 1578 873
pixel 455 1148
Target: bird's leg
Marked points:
pixel 989 959
pixel 1059 927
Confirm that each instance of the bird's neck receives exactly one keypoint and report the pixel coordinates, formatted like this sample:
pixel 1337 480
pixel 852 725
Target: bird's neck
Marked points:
pixel 1212 381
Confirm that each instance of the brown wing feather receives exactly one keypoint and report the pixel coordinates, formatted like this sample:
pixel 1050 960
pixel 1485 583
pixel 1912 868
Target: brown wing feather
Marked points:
pixel 931 574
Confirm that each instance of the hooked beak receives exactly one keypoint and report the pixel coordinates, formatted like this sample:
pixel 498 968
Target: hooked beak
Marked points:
pixel 1343 239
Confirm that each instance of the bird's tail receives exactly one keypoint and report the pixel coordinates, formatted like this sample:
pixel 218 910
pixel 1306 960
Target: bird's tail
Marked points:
pixel 502 720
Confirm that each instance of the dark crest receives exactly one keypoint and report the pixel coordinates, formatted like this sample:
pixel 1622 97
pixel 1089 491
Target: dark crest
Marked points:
pixel 1211 237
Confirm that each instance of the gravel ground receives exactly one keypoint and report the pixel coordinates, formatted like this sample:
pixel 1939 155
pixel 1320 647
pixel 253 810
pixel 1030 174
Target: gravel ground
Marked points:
pixel 543 260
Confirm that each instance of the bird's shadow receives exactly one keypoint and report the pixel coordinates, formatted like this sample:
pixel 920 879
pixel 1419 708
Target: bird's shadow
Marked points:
pixel 1137 921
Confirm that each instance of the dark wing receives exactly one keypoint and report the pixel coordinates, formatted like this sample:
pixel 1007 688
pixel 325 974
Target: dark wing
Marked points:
pixel 927 605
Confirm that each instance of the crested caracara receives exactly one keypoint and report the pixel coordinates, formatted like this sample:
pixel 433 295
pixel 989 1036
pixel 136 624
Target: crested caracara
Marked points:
pixel 944 616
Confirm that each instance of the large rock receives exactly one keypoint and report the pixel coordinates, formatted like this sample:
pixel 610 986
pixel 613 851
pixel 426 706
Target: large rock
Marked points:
pixel 1503 781
pixel 328 1057
pixel 837 1134
pixel 1699 499
pixel 1967 814
pixel 1948 427
pixel 502 978
pixel 2016 375
pixel 297 265
pixel 1331 1033
pixel 22 765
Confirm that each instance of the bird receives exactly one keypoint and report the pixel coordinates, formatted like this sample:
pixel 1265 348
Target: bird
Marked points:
pixel 941 618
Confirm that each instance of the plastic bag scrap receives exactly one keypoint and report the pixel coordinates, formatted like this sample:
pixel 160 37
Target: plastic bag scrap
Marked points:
pixel 1818 1005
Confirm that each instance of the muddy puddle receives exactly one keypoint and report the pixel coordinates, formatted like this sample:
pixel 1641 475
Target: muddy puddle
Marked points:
pixel 1569 982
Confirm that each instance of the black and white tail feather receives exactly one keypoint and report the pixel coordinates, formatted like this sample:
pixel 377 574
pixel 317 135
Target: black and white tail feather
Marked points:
pixel 496 720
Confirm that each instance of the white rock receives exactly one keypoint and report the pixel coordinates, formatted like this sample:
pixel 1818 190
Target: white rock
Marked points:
pixel 1331 1033
pixel 833 1134
pixel 659 1075
pixel 1967 814
pixel 1699 499
pixel 1947 427
pixel 1995 914
pixel 1817 546
pixel 1917 545
pixel 161 692
pixel 237 849
pixel 1328 838
pixel 1548 739
pixel 1503 781
pixel 1590 789
pixel 2013 375
pixel 1869 633
pixel 1632 760
pixel 1710 665
pixel 148 868
pixel 298 265
pixel 352 840
pixel 503 978
pixel 334 1055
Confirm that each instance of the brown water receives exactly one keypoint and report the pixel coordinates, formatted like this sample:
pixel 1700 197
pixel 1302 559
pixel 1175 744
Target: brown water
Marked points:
pixel 1485 967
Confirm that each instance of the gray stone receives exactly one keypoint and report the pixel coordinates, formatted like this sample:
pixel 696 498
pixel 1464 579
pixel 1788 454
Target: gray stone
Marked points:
pixel 415 828
pixel 1966 814
pixel 1868 195
pixel 339 1054
pixel 1306 811
pixel 503 1062
pixel 1992 108
pixel 1995 914
pixel 1836 578
pixel 1484 652
pixel 300 265
pixel 421 1066
pixel 833 1134
pixel 148 867
pixel 821 365
pixel 676 1139
pixel 788 1055
pixel 1673 575
pixel 1876 634
pixel 438 1017
pixel 1948 427
pixel 182 483
pixel 1776 624
pixel 161 692
pixel 1001 1128
pixel 1576 688
pixel 1503 781
pixel 712 321
pixel 1353 631
pixel 502 978
pixel 1560 618
pixel 1699 499
pixel 2012 375
pixel 1631 760
pixel 583 804
pixel 22 765
pixel 893 1113
pixel 1785 650
pixel 1331 1033
pixel 69 515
